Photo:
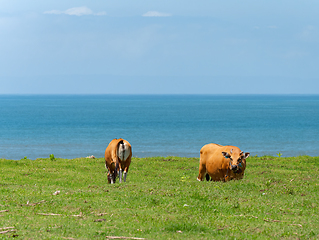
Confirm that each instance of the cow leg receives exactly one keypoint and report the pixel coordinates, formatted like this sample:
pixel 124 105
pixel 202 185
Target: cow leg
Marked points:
pixel 110 178
pixel 202 171
pixel 114 177
pixel 124 176
pixel 208 177
pixel 120 175
pixel 111 174
pixel 127 165
pixel 120 171
pixel 108 175
pixel 117 167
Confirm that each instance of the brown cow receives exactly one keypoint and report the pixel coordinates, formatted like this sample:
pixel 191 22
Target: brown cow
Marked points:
pixel 221 163
pixel 118 156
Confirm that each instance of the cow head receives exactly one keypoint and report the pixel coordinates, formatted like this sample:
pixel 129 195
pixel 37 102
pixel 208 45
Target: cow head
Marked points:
pixel 237 160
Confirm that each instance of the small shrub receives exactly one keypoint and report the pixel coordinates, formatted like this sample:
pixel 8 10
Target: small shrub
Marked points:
pixel 52 158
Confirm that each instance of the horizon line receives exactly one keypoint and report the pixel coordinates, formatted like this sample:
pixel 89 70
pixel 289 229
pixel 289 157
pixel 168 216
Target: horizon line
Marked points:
pixel 162 94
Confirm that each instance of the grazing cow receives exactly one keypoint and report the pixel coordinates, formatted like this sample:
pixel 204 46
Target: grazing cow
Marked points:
pixel 221 163
pixel 118 156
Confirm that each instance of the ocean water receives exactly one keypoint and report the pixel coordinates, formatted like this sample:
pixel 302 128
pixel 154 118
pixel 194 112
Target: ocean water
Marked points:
pixel 71 126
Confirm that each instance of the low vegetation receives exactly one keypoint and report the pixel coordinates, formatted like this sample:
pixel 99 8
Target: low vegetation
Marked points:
pixel 70 199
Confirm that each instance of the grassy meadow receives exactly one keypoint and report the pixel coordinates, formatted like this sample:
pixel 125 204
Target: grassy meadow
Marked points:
pixel 70 199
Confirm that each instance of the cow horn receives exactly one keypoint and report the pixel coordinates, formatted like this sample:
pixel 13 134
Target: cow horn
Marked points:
pixel 241 153
pixel 231 150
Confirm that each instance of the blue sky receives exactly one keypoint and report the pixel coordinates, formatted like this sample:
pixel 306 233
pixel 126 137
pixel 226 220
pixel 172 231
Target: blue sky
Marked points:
pixel 159 47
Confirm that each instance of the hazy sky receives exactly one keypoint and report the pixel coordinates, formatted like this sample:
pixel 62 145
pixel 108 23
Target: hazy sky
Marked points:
pixel 147 46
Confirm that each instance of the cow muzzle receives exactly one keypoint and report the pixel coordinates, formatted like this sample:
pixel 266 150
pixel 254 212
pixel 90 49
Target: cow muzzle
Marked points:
pixel 233 167
pixel 236 168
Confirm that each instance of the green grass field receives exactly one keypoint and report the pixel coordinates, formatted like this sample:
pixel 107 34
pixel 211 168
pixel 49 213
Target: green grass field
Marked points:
pixel 278 198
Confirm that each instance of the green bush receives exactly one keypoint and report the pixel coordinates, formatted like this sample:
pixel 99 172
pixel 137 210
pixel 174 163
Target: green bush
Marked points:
pixel 52 158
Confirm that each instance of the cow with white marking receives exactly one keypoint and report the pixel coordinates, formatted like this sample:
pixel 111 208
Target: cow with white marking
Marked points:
pixel 118 156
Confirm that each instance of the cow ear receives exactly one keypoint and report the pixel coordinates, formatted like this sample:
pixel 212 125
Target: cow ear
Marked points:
pixel 226 155
pixel 246 155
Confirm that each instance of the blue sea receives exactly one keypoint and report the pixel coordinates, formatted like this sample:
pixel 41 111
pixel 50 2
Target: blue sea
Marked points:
pixel 72 126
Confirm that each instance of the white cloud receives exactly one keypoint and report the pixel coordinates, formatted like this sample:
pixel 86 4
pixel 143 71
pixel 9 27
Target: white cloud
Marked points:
pixel 156 14
pixel 79 11
pixel 76 11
